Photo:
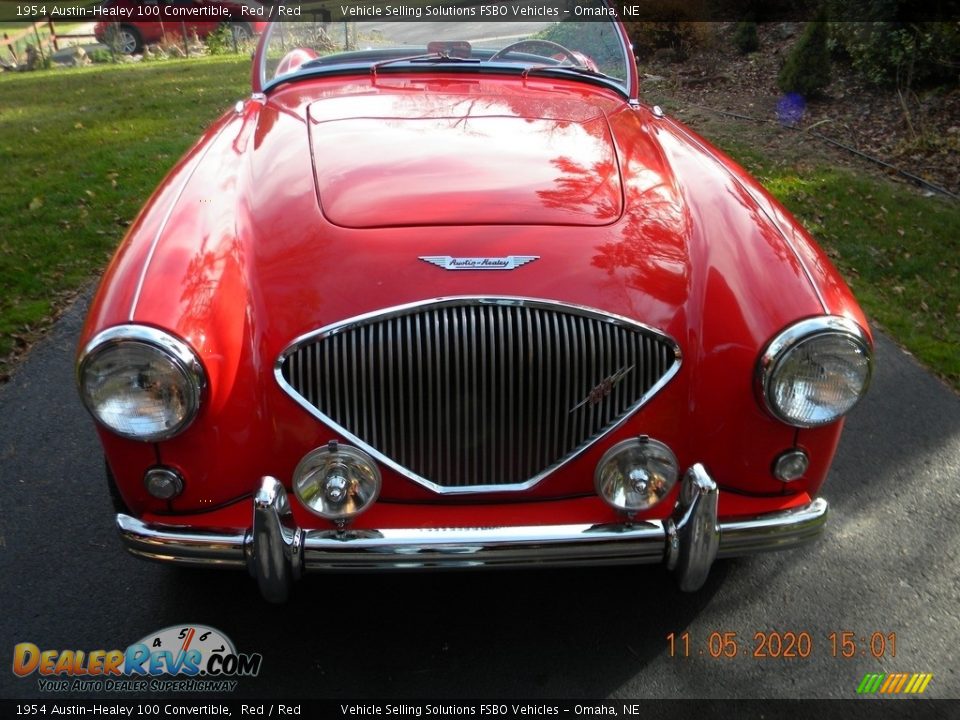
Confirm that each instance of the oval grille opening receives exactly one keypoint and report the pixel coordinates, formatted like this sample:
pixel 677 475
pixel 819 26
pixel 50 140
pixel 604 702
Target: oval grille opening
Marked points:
pixel 478 394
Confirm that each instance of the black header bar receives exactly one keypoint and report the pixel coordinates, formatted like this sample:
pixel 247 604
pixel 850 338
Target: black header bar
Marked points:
pixel 351 709
pixel 902 11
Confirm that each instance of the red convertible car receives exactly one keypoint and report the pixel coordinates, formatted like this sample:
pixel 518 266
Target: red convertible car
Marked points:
pixel 450 295
pixel 143 22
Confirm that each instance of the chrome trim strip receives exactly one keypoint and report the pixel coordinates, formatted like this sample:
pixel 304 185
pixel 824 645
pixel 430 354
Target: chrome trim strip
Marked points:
pixel 166 219
pixel 761 205
pixel 342 326
pixel 792 336
pixel 177 349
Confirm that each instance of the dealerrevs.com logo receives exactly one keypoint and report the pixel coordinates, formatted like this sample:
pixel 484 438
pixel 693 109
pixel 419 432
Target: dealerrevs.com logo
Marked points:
pixel 180 658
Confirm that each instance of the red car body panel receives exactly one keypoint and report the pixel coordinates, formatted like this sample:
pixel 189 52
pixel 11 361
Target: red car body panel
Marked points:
pixel 260 234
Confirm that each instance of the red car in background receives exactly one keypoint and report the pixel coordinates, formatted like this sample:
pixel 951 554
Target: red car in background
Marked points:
pixel 156 21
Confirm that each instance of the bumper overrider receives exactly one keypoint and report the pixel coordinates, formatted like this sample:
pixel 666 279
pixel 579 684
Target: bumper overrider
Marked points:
pixel 277 552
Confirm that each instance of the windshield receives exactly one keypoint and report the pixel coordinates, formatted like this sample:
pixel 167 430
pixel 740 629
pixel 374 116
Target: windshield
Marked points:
pixel 586 45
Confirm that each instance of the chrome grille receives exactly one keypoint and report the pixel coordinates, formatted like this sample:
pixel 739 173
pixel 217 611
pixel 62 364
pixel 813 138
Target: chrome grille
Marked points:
pixel 464 395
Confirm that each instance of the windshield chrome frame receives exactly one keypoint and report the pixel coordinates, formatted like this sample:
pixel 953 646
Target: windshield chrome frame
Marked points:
pixel 630 86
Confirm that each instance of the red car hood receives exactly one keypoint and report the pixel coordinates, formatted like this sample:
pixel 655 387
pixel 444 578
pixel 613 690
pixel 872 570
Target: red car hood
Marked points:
pixel 625 214
pixel 388 160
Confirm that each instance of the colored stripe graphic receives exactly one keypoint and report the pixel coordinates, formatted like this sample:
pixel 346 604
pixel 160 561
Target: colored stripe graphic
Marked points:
pixel 894 683
pixel 871 683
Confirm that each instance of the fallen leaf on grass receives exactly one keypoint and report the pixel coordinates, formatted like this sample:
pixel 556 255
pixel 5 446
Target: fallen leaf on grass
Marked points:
pixel 36 203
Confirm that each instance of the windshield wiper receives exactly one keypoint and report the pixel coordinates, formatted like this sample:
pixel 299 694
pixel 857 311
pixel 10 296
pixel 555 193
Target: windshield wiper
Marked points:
pixel 568 69
pixel 432 58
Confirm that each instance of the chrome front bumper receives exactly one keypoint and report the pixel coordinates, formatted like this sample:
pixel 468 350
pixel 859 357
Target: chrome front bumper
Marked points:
pixel 277 552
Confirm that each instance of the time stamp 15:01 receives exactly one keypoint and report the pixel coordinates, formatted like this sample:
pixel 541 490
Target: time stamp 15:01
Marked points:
pixel 775 644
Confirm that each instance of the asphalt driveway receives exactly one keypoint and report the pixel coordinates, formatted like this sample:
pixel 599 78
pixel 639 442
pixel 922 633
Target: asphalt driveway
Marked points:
pixel 889 564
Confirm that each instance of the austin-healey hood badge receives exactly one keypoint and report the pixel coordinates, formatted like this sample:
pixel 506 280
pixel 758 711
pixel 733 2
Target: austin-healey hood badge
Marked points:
pixel 479 263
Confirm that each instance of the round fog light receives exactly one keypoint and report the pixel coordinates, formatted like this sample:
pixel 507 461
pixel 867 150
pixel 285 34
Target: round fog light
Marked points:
pixel 163 483
pixel 791 465
pixel 636 474
pixel 336 482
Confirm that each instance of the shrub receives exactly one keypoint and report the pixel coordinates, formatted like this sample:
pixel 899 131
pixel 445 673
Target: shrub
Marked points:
pixel 807 69
pixel 883 53
pixel 100 55
pixel 221 41
pixel 745 37
pixel 678 37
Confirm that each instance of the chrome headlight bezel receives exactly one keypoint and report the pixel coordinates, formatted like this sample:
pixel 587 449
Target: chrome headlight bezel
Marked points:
pixel 793 338
pixel 169 348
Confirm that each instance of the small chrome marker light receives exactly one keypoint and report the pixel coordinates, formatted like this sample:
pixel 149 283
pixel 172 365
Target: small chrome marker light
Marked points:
pixel 337 482
pixel 815 371
pixel 163 483
pixel 636 474
pixel 790 465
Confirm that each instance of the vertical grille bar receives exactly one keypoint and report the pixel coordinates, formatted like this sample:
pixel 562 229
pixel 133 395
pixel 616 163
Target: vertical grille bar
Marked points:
pixel 536 351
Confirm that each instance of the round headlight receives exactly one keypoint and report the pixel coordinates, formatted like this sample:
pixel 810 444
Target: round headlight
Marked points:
pixel 140 383
pixel 815 371
pixel 636 474
pixel 336 482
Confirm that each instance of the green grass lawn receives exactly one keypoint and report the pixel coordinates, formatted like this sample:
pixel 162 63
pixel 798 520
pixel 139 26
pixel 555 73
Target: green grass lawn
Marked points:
pixel 82 149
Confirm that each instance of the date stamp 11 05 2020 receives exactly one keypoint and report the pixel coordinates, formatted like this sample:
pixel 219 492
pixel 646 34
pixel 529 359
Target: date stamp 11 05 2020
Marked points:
pixel 789 644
